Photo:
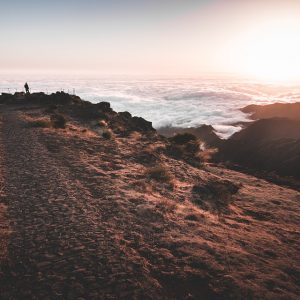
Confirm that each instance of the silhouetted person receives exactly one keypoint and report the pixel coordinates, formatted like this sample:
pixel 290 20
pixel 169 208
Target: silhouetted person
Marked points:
pixel 26 86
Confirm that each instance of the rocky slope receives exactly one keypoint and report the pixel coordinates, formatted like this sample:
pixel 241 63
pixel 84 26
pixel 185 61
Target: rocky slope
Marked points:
pixel 99 206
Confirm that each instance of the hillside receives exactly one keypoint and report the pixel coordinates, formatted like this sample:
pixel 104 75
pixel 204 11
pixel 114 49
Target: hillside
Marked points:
pixel 205 133
pixel 96 205
pixel 276 110
pixel 269 144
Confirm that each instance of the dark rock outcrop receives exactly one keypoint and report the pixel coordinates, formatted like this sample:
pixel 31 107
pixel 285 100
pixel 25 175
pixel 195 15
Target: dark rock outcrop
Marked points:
pixel 125 115
pixel 124 123
pixel 103 106
pixel 83 111
pixel 140 124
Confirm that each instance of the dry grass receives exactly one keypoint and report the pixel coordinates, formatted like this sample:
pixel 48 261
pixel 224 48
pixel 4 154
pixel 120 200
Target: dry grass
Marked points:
pixel 207 154
pixel 185 147
pixel 40 122
pixel 142 187
pixel 4 233
pixel 193 250
pixel 135 135
pixel 55 121
pixel 107 134
pixel 166 206
pixel 215 195
pixel 159 173
pixel 58 121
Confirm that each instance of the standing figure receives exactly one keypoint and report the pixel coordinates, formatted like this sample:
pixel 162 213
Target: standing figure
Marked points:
pixel 26 86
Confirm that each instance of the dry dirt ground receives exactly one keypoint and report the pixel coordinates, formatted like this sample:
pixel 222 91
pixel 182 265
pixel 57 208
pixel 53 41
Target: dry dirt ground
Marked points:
pixel 81 219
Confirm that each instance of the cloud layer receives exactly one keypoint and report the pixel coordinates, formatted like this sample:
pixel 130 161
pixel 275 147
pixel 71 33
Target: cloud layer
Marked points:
pixel 168 102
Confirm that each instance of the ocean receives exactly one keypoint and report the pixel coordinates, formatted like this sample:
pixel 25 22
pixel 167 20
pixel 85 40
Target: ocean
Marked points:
pixel 180 102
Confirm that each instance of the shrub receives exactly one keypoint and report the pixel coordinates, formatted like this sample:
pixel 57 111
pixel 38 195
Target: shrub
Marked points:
pixel 183 138
pixel 147 158
pixel 159 173
pixel 43 123
pixel 176 151
pixel 58 121
pixel 187 148
pixel 222 189
pixel 107 134
pixel 166 206
pixel 215 195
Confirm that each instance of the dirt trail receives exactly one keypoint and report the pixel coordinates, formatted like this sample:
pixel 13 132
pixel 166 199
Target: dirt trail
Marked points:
pixel 61 246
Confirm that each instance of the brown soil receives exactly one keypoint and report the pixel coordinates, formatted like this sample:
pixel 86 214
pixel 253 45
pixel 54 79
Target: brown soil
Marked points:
pixel 4 223
pixel 87 222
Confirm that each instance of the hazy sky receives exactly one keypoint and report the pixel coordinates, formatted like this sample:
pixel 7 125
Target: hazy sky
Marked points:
pixel 141 36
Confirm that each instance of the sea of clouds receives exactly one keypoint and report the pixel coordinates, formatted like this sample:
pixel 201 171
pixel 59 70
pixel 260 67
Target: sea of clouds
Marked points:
pixel 165 102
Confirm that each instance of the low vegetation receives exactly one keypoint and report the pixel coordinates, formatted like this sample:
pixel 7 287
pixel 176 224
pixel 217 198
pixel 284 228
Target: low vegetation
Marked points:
pixel 159 173
pixel 58 121
pixel 183 138
pixel 185 146
pixel 4 232
pixel 214 195
pixel 55 121
pixel 204 237
pixel 41 122
pixel 107 134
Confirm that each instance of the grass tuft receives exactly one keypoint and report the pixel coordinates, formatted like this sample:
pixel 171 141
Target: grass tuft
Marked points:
pixel 58 121
pixel 107 134
pixel 159 173
pixel 41 123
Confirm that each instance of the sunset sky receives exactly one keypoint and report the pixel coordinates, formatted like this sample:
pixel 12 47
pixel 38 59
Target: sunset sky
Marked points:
pixel 191 37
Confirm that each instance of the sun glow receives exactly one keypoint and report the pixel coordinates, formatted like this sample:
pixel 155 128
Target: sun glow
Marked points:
pixel 271 53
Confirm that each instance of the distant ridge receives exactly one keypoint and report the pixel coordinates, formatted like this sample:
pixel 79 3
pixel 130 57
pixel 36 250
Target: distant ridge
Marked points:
pixel 280 110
